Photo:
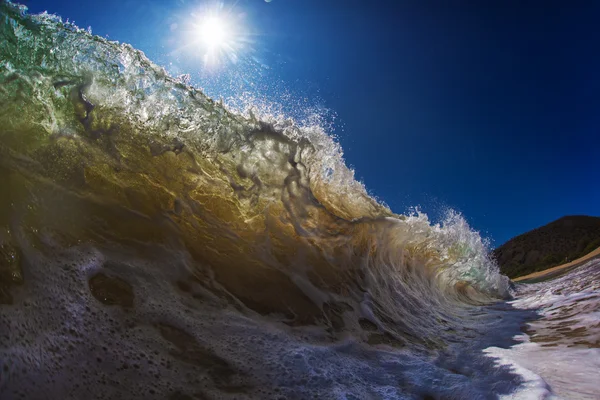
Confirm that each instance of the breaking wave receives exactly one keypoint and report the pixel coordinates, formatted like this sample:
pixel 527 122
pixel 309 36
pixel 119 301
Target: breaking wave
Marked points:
pixel 119 176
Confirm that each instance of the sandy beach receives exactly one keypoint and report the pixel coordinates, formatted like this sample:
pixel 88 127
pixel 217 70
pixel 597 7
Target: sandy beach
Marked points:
pixel 559 268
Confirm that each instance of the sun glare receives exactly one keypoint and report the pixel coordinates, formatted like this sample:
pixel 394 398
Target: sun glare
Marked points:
pixel 214 32
pixel 217 35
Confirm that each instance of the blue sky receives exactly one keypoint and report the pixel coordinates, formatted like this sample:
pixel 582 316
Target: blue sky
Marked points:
pixel 491 108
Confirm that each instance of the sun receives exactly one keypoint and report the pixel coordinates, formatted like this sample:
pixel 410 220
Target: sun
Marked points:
pixel 217 38
pixel 214 32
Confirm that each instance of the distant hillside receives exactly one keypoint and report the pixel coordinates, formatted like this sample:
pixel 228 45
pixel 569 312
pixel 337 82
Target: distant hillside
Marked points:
pixel 563 240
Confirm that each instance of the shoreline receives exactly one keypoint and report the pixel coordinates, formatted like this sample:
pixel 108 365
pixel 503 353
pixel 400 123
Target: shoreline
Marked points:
pixel 550 272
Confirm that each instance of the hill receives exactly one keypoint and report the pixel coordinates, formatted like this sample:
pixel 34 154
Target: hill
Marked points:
pixel 563 240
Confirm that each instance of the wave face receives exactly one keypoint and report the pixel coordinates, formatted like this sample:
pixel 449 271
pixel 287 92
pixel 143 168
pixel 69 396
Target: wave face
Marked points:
pixel 135 207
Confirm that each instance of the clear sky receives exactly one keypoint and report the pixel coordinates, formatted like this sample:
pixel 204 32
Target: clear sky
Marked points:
pixel 488 107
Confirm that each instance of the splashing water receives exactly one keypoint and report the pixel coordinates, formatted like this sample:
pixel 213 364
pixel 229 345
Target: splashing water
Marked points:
pixel 189 250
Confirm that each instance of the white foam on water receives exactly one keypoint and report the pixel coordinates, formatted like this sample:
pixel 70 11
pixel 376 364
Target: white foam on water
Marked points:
pixel 533 387
pixel 551 372
pixel 561 347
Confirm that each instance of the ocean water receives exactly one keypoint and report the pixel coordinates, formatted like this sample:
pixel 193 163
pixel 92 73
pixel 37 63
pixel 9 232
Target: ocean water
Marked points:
pixel 155 244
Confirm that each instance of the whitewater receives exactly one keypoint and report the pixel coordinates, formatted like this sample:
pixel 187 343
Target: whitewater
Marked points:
pixel 155 244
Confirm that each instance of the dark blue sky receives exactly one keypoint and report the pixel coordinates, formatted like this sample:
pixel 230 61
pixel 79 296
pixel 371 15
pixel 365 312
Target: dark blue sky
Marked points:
pixel 491 107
